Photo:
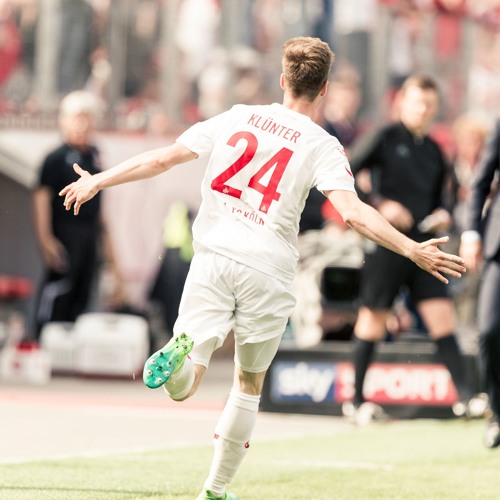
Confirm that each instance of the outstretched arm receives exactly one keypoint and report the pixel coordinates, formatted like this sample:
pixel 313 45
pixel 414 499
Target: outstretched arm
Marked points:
pixel 372 225
pixel 138 167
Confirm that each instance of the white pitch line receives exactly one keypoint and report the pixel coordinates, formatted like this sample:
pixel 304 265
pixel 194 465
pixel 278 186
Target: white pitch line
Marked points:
pixel 333 464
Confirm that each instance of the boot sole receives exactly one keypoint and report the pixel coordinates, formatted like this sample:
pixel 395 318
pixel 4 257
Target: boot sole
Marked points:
pixel 163 363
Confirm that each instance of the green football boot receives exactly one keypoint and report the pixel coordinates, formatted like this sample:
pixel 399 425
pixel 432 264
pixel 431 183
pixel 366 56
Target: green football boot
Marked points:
pixel 208 495
pixel 163 363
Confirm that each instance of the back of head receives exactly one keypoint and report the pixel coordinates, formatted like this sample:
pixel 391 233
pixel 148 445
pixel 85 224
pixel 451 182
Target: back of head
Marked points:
pixel 306 65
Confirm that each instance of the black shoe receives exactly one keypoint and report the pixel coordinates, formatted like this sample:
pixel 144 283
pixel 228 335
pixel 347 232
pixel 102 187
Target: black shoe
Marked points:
pixel 492 434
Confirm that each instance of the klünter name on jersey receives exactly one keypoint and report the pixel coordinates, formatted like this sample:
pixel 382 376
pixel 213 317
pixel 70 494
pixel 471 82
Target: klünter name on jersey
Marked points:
pixel 269 125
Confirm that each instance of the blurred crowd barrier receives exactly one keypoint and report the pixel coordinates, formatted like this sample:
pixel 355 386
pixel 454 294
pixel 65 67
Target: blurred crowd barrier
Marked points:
pixel 160 64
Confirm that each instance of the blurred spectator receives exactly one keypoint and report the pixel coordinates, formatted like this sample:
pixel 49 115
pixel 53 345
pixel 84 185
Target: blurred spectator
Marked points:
pixel 142 40
pixel 481 240
pixel 408 186
pixel 100 73
pixel 10 42
pixel 341 110
pixel 196 37
pixel 77 31
pixel 404 33
pixel 27 13
pixel 484 69
pixel 448 53
pixel 230 78
pixel 469 134
pixel 141 87
pixel 354 23
pixel 267 33
pixel 323 24
pixel 69 245
pixel 249 76
pixel 20 87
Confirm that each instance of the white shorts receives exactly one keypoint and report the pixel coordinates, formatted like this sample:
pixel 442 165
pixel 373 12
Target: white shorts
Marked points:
pixel 221 295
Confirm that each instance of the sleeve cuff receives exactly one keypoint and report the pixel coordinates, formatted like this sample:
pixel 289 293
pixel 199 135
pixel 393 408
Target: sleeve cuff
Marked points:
pixel 470 236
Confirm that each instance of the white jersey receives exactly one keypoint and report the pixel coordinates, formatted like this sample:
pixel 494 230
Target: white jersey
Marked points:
pixel 263 162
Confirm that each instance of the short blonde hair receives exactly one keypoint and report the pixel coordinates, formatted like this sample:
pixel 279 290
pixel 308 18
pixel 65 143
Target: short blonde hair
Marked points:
pixel 80 102
pixel 306 65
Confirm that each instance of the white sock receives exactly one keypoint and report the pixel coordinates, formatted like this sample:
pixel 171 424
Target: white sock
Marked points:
pixel 231 439
pixel 179 384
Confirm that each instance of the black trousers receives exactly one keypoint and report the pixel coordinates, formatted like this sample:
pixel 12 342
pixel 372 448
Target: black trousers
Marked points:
pixel 64 296
pixel 489 330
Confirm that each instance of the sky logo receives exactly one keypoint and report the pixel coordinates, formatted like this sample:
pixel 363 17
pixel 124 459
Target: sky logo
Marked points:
pixel 302 382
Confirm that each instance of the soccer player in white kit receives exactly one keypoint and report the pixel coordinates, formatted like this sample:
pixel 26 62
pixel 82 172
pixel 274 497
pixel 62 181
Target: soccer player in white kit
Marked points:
pixel 263 160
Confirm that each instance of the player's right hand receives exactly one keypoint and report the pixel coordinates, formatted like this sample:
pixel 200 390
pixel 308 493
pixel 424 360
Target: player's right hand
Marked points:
pixel 80 191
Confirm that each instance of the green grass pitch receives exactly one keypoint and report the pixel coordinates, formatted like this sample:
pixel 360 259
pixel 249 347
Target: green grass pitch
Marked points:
pixel 420 459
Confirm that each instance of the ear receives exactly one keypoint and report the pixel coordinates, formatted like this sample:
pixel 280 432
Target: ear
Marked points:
pixel 324 89
pixel 282 81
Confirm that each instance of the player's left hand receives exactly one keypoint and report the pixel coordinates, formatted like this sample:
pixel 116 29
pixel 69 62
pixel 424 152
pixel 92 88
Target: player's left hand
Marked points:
pixel 80 191
pixel 429 257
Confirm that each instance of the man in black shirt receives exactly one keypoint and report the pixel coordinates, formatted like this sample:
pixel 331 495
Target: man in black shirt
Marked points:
pixel 68 244
pixel 408 176
pixel 480 247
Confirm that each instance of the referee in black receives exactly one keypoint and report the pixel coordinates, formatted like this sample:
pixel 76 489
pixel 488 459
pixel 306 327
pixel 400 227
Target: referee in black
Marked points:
pixel 408 175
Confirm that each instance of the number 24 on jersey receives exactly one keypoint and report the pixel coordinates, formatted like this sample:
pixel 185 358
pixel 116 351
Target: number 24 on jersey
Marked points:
pixel 279 162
